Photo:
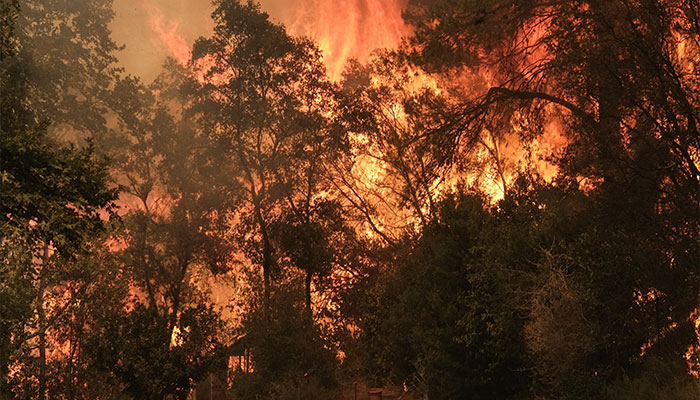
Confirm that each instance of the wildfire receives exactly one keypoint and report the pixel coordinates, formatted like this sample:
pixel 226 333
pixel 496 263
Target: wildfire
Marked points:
pixel 343 29
pixel 353 29
pixel 346 29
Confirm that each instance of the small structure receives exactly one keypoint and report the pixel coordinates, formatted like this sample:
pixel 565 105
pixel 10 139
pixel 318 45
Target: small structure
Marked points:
pixel 239 356
pixel 214 387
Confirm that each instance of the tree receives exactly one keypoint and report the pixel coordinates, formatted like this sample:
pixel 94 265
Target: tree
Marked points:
pixel 395 173
pixel 623 73
pixel 72 64
pixel 64 68
pixel 311 238
pixel 583 336
pixel 265 104
pixel 291 358
pixel 592 55
pixel 171 335
pixel 52 197
pixel 442 322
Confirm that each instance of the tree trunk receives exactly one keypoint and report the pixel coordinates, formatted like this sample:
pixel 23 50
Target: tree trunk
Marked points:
pixel 42 324
pixel 307 292
pixel 267 250
pixel 608 138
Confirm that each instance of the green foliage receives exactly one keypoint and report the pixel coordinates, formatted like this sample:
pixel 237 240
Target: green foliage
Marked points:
pixel 51 195
pixel 61 190
pixel 594 297
pixel 16 295
pixel 81 289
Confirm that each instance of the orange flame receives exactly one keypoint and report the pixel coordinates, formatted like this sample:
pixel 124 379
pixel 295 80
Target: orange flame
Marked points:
pixel 346 29
pixel 343 29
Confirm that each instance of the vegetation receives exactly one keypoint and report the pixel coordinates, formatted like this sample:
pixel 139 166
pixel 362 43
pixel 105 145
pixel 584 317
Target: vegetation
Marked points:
pixel 505 207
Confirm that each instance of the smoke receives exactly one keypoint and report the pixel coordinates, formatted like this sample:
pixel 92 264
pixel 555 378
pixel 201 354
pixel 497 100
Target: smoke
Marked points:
pixel 167 32
pixel 152 30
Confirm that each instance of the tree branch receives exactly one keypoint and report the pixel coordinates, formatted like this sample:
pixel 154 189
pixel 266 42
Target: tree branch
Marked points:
pixel 497 93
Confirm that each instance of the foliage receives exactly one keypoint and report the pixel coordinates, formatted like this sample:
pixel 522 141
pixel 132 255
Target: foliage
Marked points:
pixel 444 323
pixel 265 103
pixel 53 197
pixel 624 74
pixel 147 359
pixel 582 286
pixel 65 64
pixel 171 336
pixel 290 357
pixel 80 289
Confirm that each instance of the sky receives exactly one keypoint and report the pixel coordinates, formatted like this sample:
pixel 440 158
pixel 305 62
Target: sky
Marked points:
pixel 151 30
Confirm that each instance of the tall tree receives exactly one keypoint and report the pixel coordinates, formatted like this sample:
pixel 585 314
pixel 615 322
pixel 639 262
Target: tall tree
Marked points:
pixel 265 99
pixel 174 233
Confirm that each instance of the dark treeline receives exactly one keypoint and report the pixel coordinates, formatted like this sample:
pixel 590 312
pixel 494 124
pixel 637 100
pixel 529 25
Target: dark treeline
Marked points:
pixel 392 229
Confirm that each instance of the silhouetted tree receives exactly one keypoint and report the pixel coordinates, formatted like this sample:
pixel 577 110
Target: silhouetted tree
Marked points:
pixel 396 173
pixel 624 75
pixel 170 335
pixel 265 101
pixel 443 321
pixel 52 196
pixel 291 358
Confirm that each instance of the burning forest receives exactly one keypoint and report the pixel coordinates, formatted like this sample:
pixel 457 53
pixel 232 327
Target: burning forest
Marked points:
pixel 352 199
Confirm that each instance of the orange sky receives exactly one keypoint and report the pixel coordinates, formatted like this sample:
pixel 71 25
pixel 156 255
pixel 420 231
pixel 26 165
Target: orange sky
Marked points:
pixel 154 29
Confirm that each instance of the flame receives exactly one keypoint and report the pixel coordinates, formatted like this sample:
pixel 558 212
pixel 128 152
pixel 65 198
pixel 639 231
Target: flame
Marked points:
pixel 166 29
pixel 343 29
pixel 346 29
